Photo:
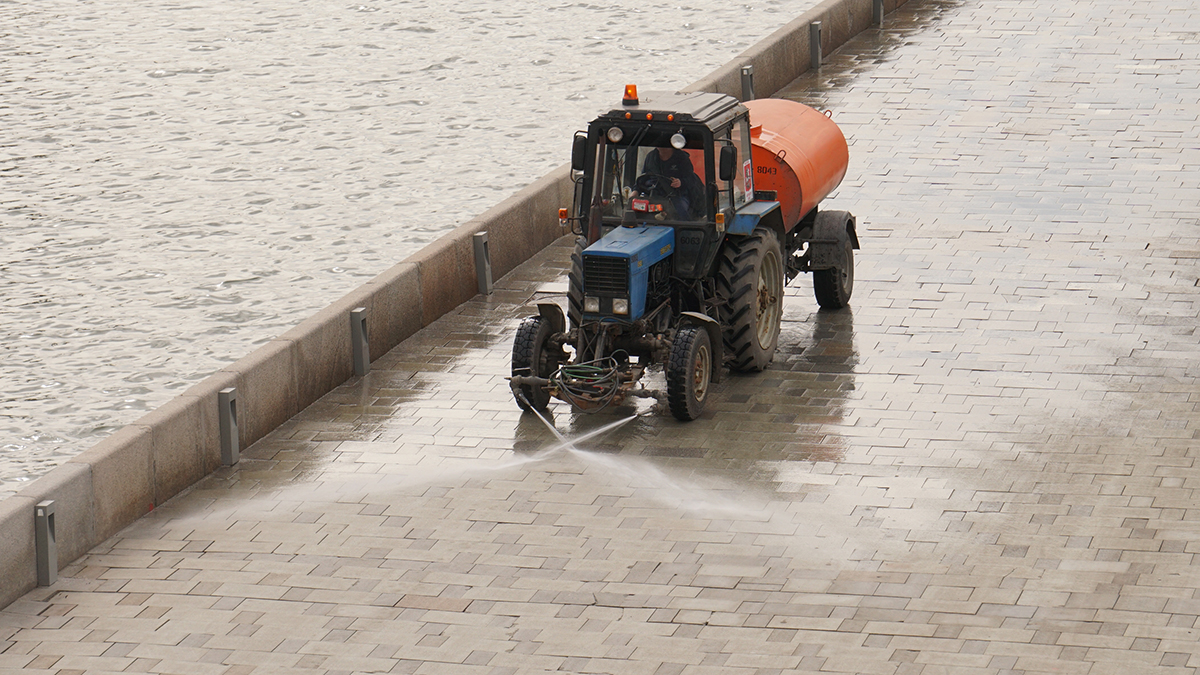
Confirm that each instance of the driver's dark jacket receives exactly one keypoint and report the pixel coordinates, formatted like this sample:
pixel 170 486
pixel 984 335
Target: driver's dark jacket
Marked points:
pixel 678 165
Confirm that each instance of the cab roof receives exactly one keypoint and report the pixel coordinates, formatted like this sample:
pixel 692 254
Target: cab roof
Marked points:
pixel 703 107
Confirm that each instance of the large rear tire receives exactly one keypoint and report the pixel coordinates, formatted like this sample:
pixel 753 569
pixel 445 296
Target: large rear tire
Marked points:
pixel 833 287
pixel 531 356
pixel 750 286
pixel 689 373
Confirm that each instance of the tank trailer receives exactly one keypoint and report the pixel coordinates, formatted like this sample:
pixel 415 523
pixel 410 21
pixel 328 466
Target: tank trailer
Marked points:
pixel 686 273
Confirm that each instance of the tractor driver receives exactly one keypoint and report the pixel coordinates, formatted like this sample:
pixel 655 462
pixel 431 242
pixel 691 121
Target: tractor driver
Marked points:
pixel 676 167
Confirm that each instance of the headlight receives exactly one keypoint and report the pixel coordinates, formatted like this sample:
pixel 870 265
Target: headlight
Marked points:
pixel 678 141
pixel 620 306
pixel 615 134
pixel 591 304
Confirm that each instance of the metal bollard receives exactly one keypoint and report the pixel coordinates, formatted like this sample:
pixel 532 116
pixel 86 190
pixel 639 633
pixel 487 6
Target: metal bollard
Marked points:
pixel 45 542
pixel 814 44
pixel 227 415
pixel 483 263
pixel 877 13
pixel 747 83
pixel 359 345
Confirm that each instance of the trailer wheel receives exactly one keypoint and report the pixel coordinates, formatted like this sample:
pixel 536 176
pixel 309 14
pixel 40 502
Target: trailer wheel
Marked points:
pixel 750 286
pixel 689 372
pixel 532 357
pixel 834 286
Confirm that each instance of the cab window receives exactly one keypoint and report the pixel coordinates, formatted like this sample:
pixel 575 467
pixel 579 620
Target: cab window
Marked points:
pixel 736 191
pixel 636 184
pixel 743 182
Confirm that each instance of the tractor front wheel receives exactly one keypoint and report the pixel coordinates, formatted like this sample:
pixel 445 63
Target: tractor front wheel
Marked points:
pixel 689 373
pixel 532 356
pixel 750 286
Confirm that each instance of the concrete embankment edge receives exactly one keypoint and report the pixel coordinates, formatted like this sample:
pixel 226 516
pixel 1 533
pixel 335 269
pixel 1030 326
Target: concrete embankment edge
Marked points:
pixel 144 464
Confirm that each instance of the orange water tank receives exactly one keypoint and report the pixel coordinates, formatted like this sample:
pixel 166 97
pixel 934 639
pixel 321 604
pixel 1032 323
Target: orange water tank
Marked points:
pixel 798 152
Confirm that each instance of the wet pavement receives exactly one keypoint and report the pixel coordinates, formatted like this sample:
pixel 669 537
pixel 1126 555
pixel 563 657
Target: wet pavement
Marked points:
pixel 987 465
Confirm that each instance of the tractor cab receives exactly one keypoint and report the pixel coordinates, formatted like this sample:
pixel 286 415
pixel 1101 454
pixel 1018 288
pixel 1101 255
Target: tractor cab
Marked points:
pixel 665 159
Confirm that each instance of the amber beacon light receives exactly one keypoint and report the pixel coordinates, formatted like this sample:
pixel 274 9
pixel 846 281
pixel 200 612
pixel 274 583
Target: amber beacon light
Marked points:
pixel 630 95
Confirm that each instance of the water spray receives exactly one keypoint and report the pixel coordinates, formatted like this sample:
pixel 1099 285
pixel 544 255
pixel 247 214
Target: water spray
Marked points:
pixel 567 443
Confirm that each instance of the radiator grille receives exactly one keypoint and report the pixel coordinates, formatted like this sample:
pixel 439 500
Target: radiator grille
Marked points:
pixel 605 276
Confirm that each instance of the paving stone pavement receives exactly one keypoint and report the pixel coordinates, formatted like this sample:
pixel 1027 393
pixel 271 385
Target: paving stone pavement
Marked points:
pixel 987 465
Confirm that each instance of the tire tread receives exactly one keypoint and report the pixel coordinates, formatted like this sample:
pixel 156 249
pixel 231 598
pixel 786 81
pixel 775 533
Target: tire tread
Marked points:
pixel 678 374
pixel 736 285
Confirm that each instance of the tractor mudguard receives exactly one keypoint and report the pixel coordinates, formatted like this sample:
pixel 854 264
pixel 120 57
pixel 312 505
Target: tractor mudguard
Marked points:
pixel 750 215
pixel 551 312
pixel 713 328
pixel 831 230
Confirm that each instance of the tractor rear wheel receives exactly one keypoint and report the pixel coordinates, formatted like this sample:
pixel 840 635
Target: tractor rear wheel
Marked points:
pixel 834 286
pixel 689 372
pixel 750 287
pixel 532 356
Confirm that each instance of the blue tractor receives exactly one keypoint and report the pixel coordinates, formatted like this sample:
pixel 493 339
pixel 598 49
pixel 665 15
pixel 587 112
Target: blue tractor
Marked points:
pixel 690 219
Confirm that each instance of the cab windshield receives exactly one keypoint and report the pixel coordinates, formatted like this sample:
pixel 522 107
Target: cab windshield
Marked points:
pixel 647 179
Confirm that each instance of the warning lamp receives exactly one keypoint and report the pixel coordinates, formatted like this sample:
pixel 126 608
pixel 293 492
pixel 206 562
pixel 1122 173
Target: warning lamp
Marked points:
pixel 630 95
pixel 562 217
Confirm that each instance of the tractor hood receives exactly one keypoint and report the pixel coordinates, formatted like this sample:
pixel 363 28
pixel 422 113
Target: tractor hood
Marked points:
pixel 617 266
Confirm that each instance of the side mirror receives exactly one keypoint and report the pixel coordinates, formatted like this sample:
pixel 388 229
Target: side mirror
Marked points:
pixel 728 162
pixel 578 148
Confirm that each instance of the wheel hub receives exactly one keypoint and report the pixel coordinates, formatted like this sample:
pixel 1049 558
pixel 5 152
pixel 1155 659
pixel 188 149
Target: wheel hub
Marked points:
pixel 769 308
pixel 701 372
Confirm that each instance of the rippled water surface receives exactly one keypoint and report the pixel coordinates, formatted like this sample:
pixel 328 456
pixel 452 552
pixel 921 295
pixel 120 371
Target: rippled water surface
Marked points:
pixel 182 181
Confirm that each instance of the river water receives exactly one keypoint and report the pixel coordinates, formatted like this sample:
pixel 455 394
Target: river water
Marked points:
pixel 182 181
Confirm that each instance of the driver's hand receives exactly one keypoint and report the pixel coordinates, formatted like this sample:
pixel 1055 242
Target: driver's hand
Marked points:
pixel 675 182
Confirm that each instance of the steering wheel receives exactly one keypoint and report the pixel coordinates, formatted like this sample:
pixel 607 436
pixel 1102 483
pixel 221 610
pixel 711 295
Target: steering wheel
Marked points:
pixel 650 183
